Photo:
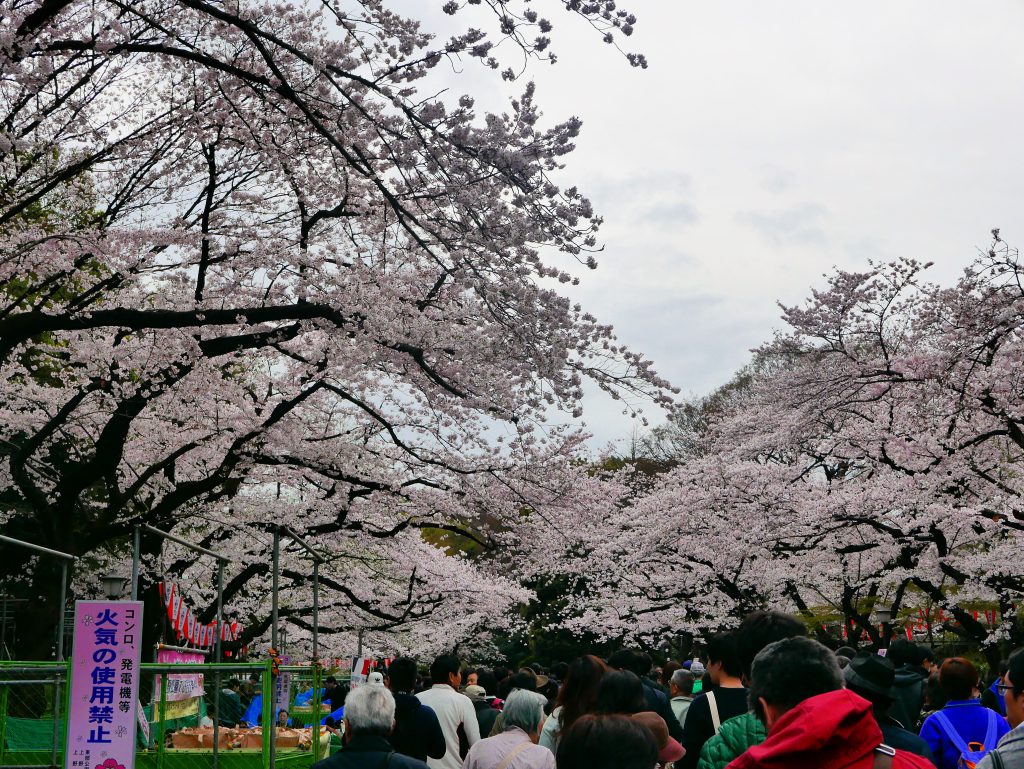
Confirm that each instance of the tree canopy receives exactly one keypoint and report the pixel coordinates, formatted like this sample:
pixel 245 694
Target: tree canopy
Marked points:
pixel 304 293
pixel 868 458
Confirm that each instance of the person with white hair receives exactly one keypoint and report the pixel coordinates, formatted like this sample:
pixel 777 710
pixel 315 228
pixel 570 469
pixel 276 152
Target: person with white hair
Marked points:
pixel 369 719
pixel 515 747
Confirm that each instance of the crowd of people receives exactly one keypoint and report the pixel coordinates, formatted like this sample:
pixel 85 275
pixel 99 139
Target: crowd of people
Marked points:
pixel 765 696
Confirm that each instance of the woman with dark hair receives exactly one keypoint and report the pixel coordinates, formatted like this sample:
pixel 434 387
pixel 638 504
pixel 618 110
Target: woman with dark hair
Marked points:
pixel 963 722
pixel 620 692
pixel 607 742
pixel 577 696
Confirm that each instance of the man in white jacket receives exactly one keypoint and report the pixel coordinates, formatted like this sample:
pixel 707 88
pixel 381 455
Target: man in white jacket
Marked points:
pixel 454 711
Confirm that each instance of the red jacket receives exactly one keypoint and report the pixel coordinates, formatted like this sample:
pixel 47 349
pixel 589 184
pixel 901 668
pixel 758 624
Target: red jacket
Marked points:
pixel 836 730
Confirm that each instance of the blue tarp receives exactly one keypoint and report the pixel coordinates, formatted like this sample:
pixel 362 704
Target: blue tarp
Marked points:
pixel 337 715
pixel 254 711
pixel 306 697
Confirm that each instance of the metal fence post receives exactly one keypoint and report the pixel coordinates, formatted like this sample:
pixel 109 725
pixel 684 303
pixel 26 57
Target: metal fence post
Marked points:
pixel 67 706
pixel 62 609
pixel 316 660
pixel 216 659
pixel 268 716
pixel 56 714
pixel 316 710
pixel 273 642
pixel 3 720
pixel 161 748
pixel 216 716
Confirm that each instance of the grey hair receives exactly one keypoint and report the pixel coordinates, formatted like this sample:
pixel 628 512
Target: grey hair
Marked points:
pixel 370 709
pixel 524 709
pixel 681 678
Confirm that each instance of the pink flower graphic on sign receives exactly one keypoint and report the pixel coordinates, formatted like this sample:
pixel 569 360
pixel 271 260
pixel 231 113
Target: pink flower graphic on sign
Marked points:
pixel 110 763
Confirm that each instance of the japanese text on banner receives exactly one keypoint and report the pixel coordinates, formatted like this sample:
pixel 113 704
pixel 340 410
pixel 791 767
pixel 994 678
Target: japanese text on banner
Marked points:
pixel 104 685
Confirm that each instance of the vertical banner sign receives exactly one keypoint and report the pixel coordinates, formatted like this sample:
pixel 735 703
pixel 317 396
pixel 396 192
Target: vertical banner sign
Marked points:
pixel 104 685
pixel 282 694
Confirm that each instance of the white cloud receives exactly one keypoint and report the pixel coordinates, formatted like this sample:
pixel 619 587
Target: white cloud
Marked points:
pixel 769 142
pixel 798 224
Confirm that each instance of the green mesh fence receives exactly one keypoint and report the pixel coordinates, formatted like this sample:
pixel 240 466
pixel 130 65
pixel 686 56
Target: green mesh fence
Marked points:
pixel 32 704
pixel 222 727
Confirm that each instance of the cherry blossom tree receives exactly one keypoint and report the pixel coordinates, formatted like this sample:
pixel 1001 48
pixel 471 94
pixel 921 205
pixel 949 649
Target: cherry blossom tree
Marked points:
pixel 915 388
pixel 252 276
pixel 867 458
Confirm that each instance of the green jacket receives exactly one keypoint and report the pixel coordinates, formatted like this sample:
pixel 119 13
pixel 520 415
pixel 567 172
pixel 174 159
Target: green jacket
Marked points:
pixel 736 735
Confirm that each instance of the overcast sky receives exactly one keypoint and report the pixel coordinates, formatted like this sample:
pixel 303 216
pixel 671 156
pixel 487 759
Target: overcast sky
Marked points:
pixel 769 142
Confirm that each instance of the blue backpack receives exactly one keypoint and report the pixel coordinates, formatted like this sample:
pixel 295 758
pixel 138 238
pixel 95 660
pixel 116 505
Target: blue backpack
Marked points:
pixel 971 753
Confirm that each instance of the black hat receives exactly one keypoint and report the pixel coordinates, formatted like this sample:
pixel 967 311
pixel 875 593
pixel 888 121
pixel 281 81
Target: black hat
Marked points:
pixel 871 673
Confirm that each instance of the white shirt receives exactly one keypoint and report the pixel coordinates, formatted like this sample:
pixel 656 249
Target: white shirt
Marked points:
pixel 452 709
pixel 551 730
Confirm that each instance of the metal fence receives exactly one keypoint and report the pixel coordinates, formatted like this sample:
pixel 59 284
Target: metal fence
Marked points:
pixel 33 699
pixel 223 728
